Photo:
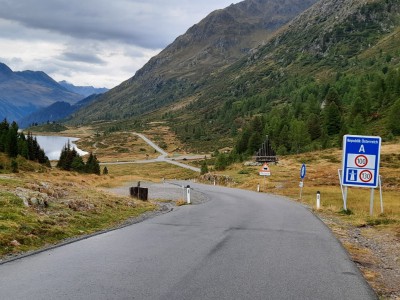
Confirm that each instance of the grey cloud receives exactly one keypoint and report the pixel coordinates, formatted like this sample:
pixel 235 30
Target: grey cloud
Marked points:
pixel 147 24
pixel 101 41
pixel 82 57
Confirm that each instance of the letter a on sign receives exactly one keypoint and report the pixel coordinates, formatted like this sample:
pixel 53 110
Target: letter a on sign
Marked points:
pixel 362 149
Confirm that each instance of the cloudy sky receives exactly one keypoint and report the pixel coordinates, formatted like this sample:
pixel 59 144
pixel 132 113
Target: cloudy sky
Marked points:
pixel 93 42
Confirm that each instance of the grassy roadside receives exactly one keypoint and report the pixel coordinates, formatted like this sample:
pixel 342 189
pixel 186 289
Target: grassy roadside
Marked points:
pixel 58 205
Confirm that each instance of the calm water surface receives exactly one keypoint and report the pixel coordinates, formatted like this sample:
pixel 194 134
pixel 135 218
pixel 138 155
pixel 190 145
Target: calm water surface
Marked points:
pixel 52 145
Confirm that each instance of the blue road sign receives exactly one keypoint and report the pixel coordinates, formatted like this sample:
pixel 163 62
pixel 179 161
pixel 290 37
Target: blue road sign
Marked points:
pixel 361 157
pixel 303 171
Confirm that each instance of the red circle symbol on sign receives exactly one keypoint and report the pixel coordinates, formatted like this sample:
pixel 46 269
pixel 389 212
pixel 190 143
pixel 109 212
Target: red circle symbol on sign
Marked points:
pixel 366 176
pixel 361 161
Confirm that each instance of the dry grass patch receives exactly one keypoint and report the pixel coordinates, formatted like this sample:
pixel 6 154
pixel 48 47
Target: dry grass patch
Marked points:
pixel 153 172
pixel 117 146
pixel 73 207
pixel 165 138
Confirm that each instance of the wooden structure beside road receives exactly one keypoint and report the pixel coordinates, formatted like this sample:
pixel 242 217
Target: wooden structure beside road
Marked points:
pixel 266 154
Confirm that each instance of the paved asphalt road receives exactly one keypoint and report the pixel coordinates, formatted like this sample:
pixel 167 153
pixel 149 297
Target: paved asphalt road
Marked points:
pixel 238 245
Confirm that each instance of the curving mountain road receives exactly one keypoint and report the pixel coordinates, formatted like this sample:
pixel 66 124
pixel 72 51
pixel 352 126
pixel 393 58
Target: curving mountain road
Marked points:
pixel 162 158
pixel 238 245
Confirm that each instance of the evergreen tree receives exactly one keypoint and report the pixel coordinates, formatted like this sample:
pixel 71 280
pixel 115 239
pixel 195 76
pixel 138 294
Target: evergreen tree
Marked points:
pixel 92 165
pixel 314 126
pixel 299 136
pixel 243 141
pixel 221 162
pixel 393 118
pixel 254 143
pixel 332 118
pixel 12 140
pixel 14 166
pixel 333 97
pixel 63 155
pixel 358 126
pixel 204 168
pixel 67 156
pixel 283 139
pixel 4 127
pixel 77 164
pixel 105 171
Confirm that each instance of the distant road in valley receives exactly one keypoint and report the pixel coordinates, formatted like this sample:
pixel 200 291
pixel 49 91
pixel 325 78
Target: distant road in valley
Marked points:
pixel 237 245
pixel 162 158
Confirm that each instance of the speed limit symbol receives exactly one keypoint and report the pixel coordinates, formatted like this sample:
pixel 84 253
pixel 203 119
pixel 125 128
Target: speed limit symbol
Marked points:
pixel 361 161
pixel 366 176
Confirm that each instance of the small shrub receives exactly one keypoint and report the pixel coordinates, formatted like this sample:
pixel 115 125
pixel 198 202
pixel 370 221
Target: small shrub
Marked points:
pixel 380 221
pixel 244 171
pixel 347 212
pixel 14 166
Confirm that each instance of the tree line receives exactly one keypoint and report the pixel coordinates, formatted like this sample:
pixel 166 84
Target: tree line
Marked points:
pixel 318 115
pixel 70 160
pixel 14 143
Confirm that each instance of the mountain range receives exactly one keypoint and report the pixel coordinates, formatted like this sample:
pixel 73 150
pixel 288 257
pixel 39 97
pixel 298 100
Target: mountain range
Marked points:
pixel 180 71
pixel 302 72
pixel 25 96
pixel 309 70
pixel 82 90
pixel 57 111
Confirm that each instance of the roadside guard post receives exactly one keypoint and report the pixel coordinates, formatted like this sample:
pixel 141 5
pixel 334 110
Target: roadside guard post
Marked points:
pixel 188 194
pixel 361 158
pixel 318 200
pixel 302 176
pixel 265 171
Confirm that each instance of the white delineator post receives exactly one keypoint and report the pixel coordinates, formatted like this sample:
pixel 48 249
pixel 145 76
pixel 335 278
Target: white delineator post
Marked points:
pixel 318 200
pixel 188 194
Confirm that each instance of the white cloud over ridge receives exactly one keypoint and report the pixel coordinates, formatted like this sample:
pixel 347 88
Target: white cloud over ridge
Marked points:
pixel 93 42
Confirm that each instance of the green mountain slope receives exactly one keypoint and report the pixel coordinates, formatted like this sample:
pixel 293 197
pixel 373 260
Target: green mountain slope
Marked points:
pixel 333 70
pixel 181 69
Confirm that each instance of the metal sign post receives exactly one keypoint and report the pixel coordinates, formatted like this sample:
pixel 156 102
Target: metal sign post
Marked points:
pixel 265 171
pixel 361 157
pixel 302 176
pixel 380 192
pixel 343 189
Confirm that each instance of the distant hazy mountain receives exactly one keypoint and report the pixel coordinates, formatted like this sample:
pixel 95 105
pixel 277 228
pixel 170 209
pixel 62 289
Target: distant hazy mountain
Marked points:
pixel 22 93
pixel 82 90
pixel 55 112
